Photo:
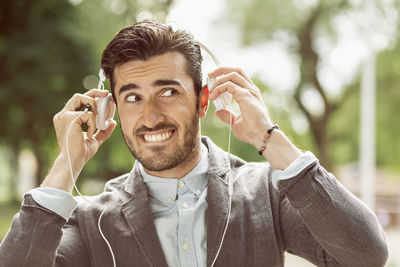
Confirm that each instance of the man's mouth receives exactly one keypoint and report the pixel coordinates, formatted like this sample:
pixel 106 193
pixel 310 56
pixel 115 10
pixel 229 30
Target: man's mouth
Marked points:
pixel 158 136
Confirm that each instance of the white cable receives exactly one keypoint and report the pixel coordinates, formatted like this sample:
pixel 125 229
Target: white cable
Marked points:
pixel 76 189
pixel 230 179
pixel 230 185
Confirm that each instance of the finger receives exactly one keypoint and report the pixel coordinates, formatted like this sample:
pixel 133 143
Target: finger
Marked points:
pixel 80 117
pixel 78 101
pixel 233 77
pixel 230 87
pixel 102 136
pixel 97 93
pixel 91 123
pixel 225 115
pixel 226 70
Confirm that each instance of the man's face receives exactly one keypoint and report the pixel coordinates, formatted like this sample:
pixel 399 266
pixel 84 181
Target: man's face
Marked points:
pixel 157 110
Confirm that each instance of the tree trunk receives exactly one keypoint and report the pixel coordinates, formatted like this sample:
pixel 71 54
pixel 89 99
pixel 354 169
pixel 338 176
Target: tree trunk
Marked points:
pixel 319 132
pixel 308 75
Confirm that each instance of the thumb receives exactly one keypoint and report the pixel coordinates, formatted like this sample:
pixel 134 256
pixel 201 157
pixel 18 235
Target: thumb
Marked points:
pixel 224 115
pixel 102 136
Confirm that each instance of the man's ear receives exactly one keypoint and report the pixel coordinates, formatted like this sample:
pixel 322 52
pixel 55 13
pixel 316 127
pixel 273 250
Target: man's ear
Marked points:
pixel 203 101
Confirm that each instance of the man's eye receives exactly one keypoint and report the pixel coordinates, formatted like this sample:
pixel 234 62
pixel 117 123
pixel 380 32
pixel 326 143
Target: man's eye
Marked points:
pixel 132 98
pixel 169 92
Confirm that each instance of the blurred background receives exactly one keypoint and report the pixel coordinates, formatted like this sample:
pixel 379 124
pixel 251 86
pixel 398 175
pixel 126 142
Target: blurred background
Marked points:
pixel 329 71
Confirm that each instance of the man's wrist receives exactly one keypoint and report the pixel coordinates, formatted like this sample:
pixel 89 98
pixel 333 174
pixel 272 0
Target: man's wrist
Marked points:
pixel 279 151
pixel 60 177
pixel 265 139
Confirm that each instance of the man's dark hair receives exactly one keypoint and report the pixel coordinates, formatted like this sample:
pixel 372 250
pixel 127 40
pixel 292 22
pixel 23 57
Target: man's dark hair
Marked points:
pixel 146 39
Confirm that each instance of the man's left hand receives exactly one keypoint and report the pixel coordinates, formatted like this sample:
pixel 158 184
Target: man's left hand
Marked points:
pixel 253 121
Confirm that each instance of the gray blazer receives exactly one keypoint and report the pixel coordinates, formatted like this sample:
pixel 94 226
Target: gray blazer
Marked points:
pixel 310 215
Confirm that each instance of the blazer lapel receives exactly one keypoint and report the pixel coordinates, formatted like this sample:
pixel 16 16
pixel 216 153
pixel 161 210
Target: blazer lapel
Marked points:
pixel 217 199
pixel 138 215
pixel 217 212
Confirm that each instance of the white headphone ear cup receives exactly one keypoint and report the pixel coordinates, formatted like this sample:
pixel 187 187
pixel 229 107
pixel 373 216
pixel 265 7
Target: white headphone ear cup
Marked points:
pixel 105 112
pixel 223 101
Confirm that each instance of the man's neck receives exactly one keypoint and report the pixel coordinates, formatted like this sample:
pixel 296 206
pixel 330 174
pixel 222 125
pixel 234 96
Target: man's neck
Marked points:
pixel 183 168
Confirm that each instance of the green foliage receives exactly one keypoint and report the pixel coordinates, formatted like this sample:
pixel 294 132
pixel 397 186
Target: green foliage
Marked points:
pixel 344 126
pixel 344 129
pixel 388 106
pixel 260 20
pixel 297 25
pixel 7 211
pixel 47 48
pixel 38 72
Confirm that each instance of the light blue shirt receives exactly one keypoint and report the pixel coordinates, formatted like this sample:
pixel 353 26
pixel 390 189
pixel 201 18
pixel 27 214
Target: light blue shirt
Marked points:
pixel 179 210
pixel 178 207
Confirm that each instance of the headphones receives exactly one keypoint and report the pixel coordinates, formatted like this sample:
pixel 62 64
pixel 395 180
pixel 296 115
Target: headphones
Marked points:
pixel 105 107
pixel 224 100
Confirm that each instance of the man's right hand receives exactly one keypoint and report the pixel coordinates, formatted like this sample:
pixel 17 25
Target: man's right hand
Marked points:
pixel 81 146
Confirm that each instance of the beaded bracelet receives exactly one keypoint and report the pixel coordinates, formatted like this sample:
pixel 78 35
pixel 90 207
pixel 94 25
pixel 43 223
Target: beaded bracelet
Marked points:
pixel 275 126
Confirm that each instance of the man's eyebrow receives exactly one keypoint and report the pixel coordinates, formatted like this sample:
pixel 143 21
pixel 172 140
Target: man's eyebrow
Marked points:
pixel 127 87
pixel 160 82
pixel 163 82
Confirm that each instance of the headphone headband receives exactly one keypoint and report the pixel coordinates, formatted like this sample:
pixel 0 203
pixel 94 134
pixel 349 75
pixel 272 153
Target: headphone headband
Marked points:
pixel 102 78
pixel 212 55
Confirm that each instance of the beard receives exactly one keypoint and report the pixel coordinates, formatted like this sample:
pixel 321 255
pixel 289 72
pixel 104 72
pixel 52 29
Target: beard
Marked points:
pixel 165 160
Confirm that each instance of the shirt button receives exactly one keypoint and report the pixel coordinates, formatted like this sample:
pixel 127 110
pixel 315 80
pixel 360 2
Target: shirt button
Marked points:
pixel 185 205
pixel 198 192
pixel 170 200
pixel 185 246
pixel 181 184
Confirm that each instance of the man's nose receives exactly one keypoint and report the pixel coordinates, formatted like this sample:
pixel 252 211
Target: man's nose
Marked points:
pixel 152 114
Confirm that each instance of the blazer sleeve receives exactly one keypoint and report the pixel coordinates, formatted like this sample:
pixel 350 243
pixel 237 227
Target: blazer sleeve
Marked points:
pixel 324 223
pixel 40 237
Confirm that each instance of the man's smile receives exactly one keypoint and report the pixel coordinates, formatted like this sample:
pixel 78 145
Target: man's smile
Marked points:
pixel 157 136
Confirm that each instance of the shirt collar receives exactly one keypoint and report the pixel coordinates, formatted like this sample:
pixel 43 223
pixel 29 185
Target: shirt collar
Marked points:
pixel 166 189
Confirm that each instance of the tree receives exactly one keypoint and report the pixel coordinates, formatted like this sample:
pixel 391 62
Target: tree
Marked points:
pixel 37 73
pixel 302 23
pixel 47 48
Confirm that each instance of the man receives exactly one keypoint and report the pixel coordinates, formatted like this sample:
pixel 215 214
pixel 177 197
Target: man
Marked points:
pixel 174 206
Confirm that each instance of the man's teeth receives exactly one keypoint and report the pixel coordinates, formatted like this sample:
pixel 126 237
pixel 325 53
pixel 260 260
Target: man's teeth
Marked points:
pixel 157 137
